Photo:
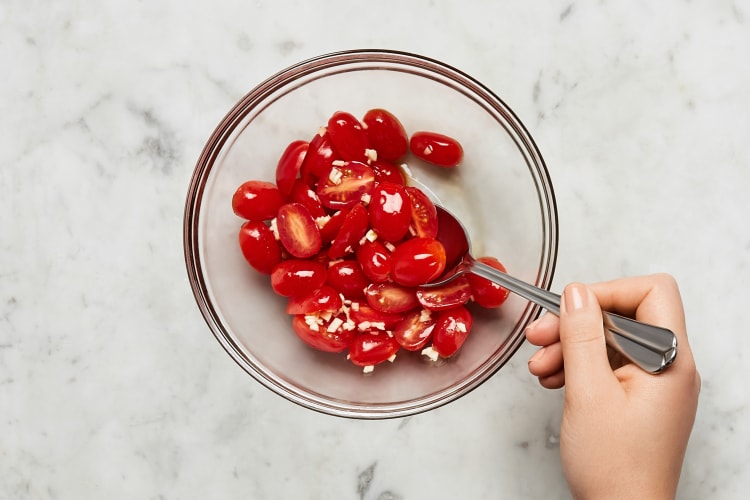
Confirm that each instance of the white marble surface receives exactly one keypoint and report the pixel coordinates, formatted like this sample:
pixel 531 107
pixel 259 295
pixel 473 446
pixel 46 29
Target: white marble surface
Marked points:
pixel 111 386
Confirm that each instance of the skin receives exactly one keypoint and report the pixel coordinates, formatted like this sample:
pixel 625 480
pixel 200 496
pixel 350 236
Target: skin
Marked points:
pixel 624 432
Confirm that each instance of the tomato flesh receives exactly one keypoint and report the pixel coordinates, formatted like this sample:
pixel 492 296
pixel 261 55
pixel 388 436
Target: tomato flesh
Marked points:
pixel 456 293
pixel 414 331
pixel 345 183
pixel 424 219
pixel 391 297
pixel 298 232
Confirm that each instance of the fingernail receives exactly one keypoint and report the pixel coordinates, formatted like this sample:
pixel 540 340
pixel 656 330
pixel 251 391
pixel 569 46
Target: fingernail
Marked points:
pixel 537 355
pixel 575 297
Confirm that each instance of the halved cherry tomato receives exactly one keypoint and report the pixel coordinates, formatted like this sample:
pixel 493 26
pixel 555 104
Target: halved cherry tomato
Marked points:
pixel 305 195
pixel 417 261
pixel 437 149
pixel 424 220
pixel 386 134
pixel 322 299
pixel 379 320
pixel 345 183
pixel 347 277
pixel 451 329
pixel 415 329
pixel 320 155
pixel 331 227
pixel 348 136
pixel 390 211
pixel 352 230
pixel 292 277
pixel 455 293
pixel 298 231
pixel 257 200
pixel 289 164
pixel 367 349
pixel 259 246
pixel 391 297
pixel 375 260
pixel 387 172
pixel 319 337
pixel 484 292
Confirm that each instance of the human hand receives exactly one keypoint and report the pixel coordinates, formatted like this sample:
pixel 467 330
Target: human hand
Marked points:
pixel 624 431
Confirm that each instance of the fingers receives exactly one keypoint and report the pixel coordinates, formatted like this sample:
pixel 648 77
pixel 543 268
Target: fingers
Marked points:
pixel 544 331
pixel 582 338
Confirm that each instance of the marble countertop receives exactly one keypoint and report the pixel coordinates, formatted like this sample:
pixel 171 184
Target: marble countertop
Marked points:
pixel 111 385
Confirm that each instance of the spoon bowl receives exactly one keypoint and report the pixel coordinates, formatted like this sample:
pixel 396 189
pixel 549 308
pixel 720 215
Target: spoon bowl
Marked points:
pixel 650 347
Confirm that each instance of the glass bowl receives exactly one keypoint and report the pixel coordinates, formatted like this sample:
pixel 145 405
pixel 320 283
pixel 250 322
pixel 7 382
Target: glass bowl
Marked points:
pixel 502 192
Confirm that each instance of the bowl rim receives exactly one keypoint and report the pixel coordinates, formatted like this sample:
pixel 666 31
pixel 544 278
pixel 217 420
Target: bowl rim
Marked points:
pixel 368 57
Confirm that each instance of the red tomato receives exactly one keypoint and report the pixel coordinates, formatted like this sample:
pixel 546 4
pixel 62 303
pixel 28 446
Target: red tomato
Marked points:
pixel 320 155
pixel 451 329
pixel 292 277
pixel 259 247
pixel 345 183
pixel 289 164
pixel 363 314
pixel 387 172
pixel 347 277
pixel 257 200
pixel 390 297
pixel 375 260
pixel 298 231
pixel 386 134
pixel 319 337
pixel 437 149
pixel 352 230
pixel 486 293
pixel 367 349
pixel 323 299
pixel 424 221
pixel 417 261
pixel 305 195
pixel 415 330
pixel 390 211
pixel 348 136
pixel 455 293
pixel 332 226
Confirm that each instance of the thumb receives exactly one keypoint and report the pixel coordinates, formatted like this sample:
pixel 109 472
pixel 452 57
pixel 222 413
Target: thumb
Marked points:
pixel 582 338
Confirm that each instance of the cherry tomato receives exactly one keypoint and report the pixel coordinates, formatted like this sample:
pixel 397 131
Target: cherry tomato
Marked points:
pixel 417 261
pixel 352 229
pixel 331 227
pixel 305 195
pixel 367 349
pixel 424 221
pixel 455 293
pixel 347 277
pixel 387 172
pixel 375 260
pixel 390 211
pixel 451 329
pixel 320 155
pixel 415 329
pixel 259 246
pixel 391 297
pixel 437 149
pixel 298 231
pixel 363 314
pixel 345 183
pixel 289 165
pixel 348 136
pixel 257 200
pixel 386 134
pixel 323 299
pixel 486 293
pixel 319 337
pixel 292 277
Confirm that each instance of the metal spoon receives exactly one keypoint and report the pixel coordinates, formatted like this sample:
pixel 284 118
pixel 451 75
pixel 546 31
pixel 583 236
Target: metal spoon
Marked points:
pixel 650 347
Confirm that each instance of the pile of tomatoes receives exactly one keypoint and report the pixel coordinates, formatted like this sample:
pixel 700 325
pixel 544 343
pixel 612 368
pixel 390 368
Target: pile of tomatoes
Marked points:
pixel 350 244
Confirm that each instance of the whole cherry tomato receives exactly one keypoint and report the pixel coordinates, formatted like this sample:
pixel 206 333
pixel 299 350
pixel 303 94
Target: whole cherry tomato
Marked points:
pixel 320 155
pixel 452 326
pixel 323 299
pixel 437 149
pixel 347 277
pixel 292 277
pixel 386 134
pixel 289 165
pixel 368 350
pixel 417 261
pixel 390 211
pixel 352 229
pixel 257 200
pixel 348 136
pixel 486 293
pixel 375 260
pixel 259 246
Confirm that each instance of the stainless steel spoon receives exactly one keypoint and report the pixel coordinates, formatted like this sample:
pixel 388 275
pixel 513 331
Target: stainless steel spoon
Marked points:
pixel 650 347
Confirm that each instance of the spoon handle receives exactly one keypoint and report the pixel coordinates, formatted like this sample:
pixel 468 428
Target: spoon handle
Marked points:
pixel 650 347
